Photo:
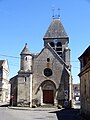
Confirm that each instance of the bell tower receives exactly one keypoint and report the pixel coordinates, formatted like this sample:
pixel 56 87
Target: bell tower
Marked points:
pixel 58 39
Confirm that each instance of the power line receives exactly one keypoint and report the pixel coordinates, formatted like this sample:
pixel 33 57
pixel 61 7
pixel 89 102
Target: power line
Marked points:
pixel 9 56
pixel 19 58
pixel 15 57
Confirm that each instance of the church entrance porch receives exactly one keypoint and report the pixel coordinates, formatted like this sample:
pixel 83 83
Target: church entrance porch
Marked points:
pixel 48 93
pixel 48 96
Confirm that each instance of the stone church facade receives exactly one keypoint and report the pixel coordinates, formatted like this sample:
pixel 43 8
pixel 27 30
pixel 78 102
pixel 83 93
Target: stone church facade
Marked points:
pixel 44 78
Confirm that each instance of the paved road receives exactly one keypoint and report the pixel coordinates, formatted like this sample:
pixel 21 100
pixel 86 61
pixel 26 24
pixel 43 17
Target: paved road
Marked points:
pixel 10 114
pixel 68 114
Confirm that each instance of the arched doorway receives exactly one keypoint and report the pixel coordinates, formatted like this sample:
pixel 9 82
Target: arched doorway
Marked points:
pixel 48 90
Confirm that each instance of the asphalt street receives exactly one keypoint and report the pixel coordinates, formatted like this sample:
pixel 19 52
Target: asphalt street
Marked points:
pixel 10 114
pixel 64 114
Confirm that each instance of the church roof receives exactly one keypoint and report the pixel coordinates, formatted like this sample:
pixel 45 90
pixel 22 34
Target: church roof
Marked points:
pixel 25 50
pixel 55 30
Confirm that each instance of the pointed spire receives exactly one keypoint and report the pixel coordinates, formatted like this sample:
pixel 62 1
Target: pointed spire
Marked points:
pixel 25 50
pixel 55 30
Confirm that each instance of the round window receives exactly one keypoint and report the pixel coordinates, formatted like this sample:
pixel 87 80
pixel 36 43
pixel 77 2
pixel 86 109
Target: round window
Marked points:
pixel 47 72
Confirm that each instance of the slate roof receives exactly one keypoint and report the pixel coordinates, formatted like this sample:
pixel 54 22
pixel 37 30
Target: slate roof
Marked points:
pixel 25 50
pixel 87 51
pixel 55 30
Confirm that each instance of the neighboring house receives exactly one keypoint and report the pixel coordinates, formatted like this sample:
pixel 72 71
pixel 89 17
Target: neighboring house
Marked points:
pixel 76 92
pixel 4 82
pixel 45 78
pixel 85 81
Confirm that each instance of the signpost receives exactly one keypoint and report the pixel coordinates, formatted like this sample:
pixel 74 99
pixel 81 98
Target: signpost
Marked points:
pixel 66 98
pixel 66 94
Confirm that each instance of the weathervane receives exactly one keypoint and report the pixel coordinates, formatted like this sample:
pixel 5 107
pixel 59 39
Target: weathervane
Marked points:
pixel 53 12
pixel 59 12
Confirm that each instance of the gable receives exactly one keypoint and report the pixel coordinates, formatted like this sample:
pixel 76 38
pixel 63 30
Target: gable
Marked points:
pixel 47 59
pixel 49 52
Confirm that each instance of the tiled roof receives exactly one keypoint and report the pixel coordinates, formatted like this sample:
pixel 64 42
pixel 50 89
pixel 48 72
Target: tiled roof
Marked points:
pixel 55 30
pixel 25 50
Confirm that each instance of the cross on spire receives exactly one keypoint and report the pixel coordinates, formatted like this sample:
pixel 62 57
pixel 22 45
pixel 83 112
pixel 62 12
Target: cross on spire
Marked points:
pixel 59 12
pixel 56 15
pixel 53 12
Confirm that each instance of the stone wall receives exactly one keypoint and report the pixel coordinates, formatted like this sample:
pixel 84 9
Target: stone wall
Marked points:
pixel 23 91
pixel 85 92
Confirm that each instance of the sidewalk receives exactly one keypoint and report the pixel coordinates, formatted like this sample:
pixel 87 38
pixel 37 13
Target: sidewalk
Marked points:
pixel 4 104
pixel 35 109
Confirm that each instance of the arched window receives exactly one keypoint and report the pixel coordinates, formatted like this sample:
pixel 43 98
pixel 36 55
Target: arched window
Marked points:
pixel 59 48
pixel 26 58
pixel 59 44
pixel 52 44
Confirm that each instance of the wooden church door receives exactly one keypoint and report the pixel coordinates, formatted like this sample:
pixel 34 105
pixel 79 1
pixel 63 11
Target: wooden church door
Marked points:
pixel 48 96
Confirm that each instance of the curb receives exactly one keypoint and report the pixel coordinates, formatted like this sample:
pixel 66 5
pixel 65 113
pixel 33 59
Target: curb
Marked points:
pixel 34 109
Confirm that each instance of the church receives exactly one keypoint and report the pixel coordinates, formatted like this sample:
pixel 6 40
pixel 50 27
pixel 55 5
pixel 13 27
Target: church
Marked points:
pixel 45 78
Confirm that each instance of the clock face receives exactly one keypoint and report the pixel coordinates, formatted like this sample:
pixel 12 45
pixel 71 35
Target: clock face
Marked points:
pixel 55 41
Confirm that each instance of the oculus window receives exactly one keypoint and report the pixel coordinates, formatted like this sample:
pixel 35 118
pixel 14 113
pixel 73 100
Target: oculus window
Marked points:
pixel 47 72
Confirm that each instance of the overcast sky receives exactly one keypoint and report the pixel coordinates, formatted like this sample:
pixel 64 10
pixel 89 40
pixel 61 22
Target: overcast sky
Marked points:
pixel 26 21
